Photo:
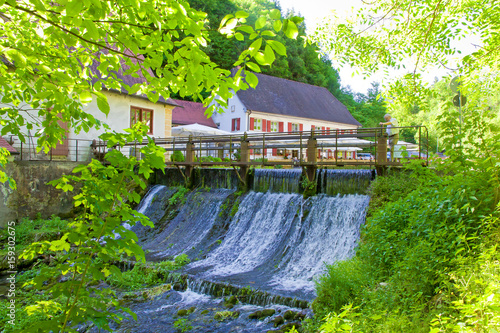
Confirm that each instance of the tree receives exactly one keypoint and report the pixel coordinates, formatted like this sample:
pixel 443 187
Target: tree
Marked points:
pixel 46 51
pixel 414 37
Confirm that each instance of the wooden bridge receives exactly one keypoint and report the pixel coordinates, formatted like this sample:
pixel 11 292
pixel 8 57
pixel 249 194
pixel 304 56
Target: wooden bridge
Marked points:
pixel 311 149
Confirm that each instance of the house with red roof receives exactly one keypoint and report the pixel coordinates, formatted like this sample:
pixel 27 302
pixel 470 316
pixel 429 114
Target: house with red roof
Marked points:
pixel 7 145
pixel 281 105
pixel 125 110
pixel 187 113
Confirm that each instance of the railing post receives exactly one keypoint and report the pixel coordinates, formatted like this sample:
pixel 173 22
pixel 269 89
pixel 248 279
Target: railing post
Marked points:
pixel 300 159
pixel 189 157
pixel 76 157
pixel 21 150
pixel 263 147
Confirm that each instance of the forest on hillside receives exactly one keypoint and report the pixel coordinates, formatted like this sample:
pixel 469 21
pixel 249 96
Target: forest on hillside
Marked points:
pixel 304 62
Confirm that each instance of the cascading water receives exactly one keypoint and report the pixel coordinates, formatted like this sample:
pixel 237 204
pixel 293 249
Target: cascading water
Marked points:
pixel 272 243
pixel 270 239
pixel 339 181
pixel 277 180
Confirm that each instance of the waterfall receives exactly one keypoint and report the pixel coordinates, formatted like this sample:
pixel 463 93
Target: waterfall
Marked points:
pixel 338 181
pixel 281 242
pixel 270 239
pixel 277 180
pixel 191 229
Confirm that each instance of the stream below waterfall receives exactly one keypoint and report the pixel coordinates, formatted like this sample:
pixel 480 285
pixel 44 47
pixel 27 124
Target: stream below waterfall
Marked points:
pixel 270 242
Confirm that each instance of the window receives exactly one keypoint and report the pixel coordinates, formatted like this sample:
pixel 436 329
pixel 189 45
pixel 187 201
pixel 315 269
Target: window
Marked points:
pixel 235 124
pixel 218 125
pixel 142 115
pixel 233 108
pixel 274 126
pixel 257 124
pixel 295 128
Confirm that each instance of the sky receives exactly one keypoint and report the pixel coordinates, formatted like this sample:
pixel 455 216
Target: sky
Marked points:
pixel 313 11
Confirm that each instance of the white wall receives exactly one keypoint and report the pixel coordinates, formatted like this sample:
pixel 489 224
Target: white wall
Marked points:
pixel 224 119
pixel 118 119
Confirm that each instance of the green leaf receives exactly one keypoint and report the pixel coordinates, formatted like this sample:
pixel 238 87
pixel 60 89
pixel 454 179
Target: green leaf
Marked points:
pixel 277 46
pixel 291 30
pixel 253 66
pixel 102 104
pixel 275 14
pixel 85 97
pixel 241 14
pixel 269 55
pixel 260 23
pixel 251 79
pixel 239 36
pixel 277 26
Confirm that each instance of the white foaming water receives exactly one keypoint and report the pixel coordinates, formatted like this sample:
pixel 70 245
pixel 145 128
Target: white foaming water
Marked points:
pixel 148 198
pixel 255 234
pixel 270 235
pixel 329 233
pixel 146 202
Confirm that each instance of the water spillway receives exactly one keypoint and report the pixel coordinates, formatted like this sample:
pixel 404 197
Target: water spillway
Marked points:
pixel 266 246
pixel 270 238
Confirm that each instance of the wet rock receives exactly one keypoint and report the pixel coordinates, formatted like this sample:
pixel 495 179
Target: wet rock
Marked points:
pixel 182 312
pixel 255 315
pixel 273 331
pixel 288 327
pixel 230 302
pixel 267 313
pixel 204 312
pixel 278 321
pixel 223 315
pixel 299 316
pixel 191 309
pixel 289 315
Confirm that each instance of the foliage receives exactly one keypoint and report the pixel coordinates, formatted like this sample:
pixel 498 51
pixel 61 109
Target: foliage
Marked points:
pixel 29 231
pixel 415 260
pixel 147 274
pixel 177 156
pixel 96 238
pixel 179 197
pixel 340 285
pixel 418 37
pixel 182 325
pixel 341 322
pixel 4 155
pixel 304 62
pixel 394 185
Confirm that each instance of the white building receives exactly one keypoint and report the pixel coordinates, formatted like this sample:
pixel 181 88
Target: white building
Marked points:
pixel 281 105
pixel 125 110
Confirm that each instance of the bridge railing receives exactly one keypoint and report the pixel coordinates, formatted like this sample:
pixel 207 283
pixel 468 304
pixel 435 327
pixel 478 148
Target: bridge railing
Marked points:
pixel 330 147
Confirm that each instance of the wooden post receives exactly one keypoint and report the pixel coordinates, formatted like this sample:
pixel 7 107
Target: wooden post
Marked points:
pixel 381 155
pixel 312 158
pixel 244 159
pixel 189 157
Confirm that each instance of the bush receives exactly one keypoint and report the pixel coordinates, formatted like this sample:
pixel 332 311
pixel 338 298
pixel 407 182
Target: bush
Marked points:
pixel 340 285
pixel 421 254
pixel 177 156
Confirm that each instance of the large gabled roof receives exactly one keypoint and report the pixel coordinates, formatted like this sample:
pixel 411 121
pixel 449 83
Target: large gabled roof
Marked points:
pixel 127 80
pixel 190 113
pixel 6 145
pixel 291 98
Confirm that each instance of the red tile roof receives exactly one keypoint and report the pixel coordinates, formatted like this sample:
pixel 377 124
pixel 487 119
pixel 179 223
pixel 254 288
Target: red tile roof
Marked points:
pixel 5 144
pixel 190 113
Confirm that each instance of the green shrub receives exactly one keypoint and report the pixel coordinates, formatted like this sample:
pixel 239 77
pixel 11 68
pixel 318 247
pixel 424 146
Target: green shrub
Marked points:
pixel 421 260
pixel 29 231
pixel 340 285
pixel 147 274
pixel 177 156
